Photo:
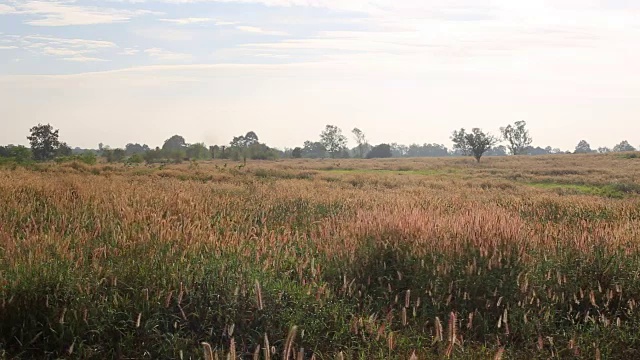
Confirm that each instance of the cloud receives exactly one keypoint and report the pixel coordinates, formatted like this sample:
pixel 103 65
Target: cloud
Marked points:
pixel 59 13
pixel 168 56
pixel 70 49
pixel 84 59
pixel 3 47
pixel 6 9
pixel 129 51
pixel 257 30
pixel 187 21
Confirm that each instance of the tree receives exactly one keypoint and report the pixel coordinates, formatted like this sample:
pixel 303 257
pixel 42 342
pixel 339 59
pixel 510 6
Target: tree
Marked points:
pixel 360 140
pixel 333 140
pixel 314 150
pixel 296 153
pixel 198 151
pixel 64 150
pixel 517 136
pixel 604 150
pixel 623 146
pixel 380 151
pixel 250 139
pixel 44 142
pixel 583 147
pixel 475 143
pixel 132 149
pixel 174 143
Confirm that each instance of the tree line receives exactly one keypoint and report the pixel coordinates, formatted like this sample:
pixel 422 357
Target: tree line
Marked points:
pixel 45 145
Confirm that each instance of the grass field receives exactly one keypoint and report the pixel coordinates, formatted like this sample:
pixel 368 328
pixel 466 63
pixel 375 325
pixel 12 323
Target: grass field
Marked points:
pixel 527 257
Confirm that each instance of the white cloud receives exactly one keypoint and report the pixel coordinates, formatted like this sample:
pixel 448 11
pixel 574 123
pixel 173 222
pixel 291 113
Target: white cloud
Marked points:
pixel 84 59
pixel 168 56
pixel 3 47
pixel 257 30
pixel 6 9
pixel 129 51
pixel 70 49
pixel 187 21
pixel 63 13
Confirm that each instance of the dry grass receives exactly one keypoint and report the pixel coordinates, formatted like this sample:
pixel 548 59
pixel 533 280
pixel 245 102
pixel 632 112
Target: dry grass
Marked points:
pixel 532 256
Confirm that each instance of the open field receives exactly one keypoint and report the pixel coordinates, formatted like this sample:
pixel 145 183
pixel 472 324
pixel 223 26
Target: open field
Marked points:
pixel 527 257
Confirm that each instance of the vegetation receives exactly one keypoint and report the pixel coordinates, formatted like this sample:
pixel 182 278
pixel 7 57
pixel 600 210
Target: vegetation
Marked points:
pixel 517 136
pixel 528 257
pixel 475 143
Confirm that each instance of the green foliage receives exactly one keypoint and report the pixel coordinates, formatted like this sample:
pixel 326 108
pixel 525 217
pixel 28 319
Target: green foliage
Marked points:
pixel 44 142
pixel 114 155
pixel 333 140
pixel 583 147
pixel 296 153
pixel 624 146
pixel 517 136
pixel 174 143
pixel 380 151
pixel 473 144
pixel 198 151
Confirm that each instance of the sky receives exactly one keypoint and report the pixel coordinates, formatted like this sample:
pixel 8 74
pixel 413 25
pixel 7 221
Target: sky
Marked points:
pixel 405 71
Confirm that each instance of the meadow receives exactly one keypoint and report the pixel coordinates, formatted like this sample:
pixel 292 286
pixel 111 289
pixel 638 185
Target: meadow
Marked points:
pixel 512 258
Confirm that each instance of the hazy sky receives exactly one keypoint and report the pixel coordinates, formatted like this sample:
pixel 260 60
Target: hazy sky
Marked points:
pixel 403 71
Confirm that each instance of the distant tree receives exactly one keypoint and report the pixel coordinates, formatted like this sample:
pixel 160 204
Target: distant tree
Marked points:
pixel 426 150
pixel 132 149
pixel 399 150
pixel 360 140
pixel 583 147
pixel 517 136
pixel 250 138
pixel 380 151
pixel 174 143
pixel 497 151
pixel 64 150
pixel 296 153
pixel 44 142
pixel 314 150
pixel 475 143
pixel 604 150
pixel 114 155
pixel 333 140
pixel 198 151
pixel 19 154
pixel 623 146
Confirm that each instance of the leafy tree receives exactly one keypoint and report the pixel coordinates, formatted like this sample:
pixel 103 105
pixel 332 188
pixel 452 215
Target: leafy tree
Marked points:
pixel 132 149
pixel 604 150
pixel 44 142
pixel 296 153
pixel 518 137
pixel 583 147
pixel 114 155
pixel 475 143
pixel 360 140
pixel 497 151
pixel 250 139
pixel 624 146
pixel 426 150
pixel 64 150
pixel 333 140
pixel 380 151
pixel 19 154
pixel 198 151
pixel 314 150
pixel 399 150
pixel 174 143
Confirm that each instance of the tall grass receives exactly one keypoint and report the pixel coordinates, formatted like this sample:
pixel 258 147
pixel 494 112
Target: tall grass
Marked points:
pixel 207 262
